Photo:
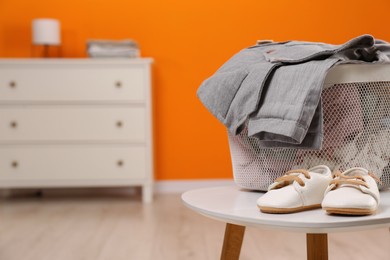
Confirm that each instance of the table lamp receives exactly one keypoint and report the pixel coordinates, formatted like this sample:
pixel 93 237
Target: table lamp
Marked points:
pixel 46 32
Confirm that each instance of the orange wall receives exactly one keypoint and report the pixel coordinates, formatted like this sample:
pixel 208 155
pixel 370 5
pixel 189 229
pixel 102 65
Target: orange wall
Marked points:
pixel 189 40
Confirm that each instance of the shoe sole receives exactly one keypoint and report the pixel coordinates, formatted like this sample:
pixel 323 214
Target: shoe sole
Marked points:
pixel 350 211
pixel 288 210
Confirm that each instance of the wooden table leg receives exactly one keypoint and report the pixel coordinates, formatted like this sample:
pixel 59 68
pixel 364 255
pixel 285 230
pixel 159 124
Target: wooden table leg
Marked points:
pixel 317 246
pixel 234 235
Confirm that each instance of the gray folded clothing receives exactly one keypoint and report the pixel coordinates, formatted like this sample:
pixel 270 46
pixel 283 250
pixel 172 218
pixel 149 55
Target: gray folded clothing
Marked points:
pixel 276 88
pixel 113 48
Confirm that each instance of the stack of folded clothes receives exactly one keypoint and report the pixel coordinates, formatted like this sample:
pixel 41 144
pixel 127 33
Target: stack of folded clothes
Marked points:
pixel 113 49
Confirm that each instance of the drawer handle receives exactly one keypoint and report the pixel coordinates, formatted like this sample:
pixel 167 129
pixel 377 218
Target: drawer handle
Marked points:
pixel 118 84
pixel 12 84
pixel 13 124
pixel 14 164
pixel 119 163
pixel 119 124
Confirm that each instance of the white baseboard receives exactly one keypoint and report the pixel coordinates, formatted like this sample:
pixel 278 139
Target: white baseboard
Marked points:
pixel 160 187
pixel 180 186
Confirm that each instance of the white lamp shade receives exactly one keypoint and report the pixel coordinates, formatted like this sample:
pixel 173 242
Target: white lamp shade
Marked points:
pixel 46 32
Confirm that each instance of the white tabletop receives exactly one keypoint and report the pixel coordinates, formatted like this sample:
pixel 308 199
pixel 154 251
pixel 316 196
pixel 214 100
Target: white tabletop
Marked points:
pixel 231 204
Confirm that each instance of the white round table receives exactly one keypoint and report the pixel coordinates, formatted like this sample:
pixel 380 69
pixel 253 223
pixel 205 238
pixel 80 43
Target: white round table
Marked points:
pixel 237 207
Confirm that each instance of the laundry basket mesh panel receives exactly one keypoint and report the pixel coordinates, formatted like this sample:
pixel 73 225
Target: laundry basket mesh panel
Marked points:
pixel 356 133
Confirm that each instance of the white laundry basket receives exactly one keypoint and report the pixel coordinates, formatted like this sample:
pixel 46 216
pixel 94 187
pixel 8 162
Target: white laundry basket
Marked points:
pixel 356 114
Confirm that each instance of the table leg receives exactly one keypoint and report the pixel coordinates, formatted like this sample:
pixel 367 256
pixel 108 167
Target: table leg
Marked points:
pixel 234 235
pixel 317 246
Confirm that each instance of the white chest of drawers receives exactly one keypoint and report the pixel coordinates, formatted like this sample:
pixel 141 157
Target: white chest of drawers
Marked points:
pixel 76 123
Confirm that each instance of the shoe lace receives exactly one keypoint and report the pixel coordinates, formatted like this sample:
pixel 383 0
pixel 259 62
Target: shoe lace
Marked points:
pixel 356 180
pixel 289 178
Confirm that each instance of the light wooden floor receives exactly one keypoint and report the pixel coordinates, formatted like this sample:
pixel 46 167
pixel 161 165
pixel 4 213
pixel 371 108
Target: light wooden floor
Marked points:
pixel 69 227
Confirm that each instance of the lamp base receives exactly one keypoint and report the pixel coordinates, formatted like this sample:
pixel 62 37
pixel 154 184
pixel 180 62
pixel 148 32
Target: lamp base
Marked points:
pixel 46 51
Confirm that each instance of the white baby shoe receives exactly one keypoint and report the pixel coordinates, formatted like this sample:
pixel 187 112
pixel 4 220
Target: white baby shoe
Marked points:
pixel 297 190
pixel 353 192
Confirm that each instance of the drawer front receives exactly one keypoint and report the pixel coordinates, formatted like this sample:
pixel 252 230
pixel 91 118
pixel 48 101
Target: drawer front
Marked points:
pixel 72 83
pixel 72 162
pixel 72 123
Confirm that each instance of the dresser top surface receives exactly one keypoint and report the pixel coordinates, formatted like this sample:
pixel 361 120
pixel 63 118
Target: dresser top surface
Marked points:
pixel 73 61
